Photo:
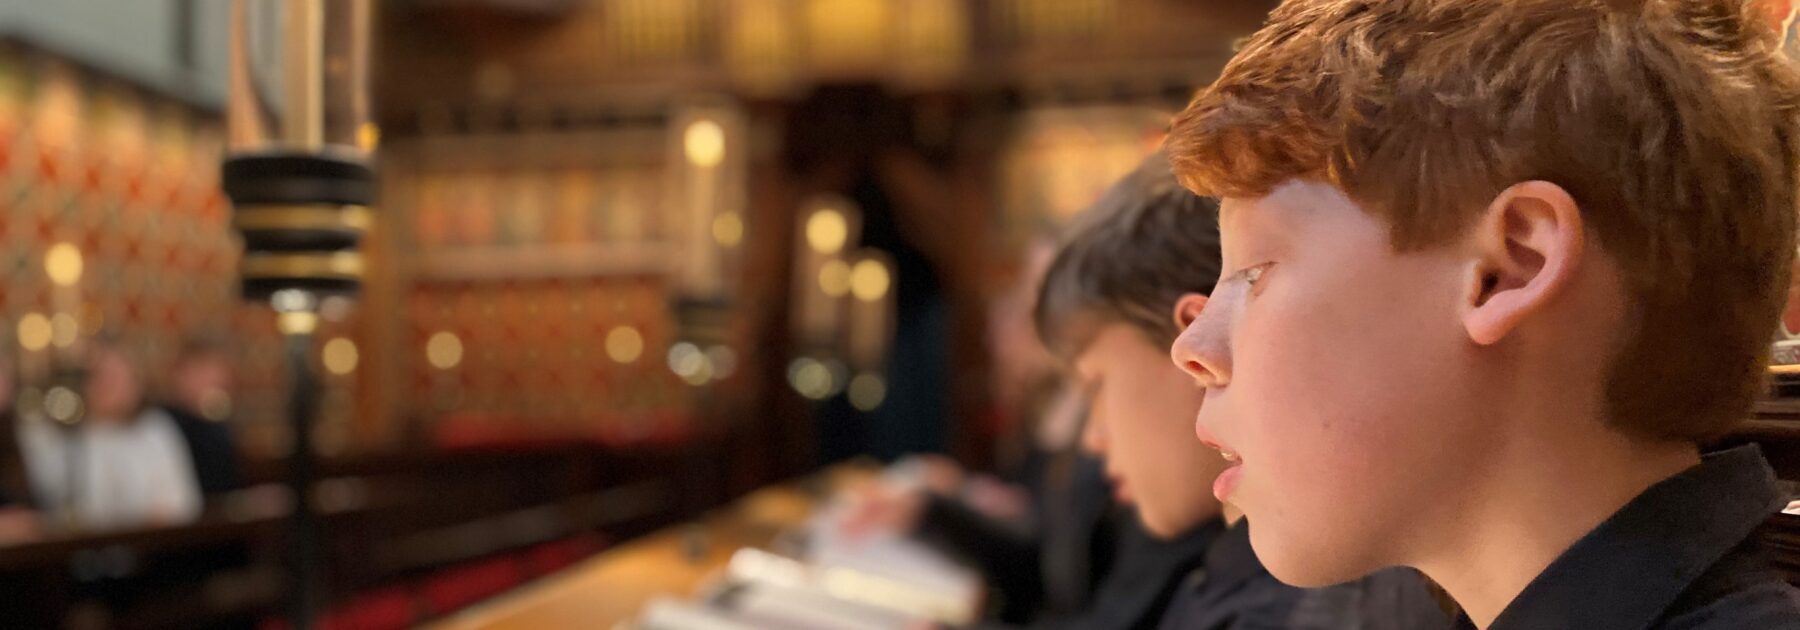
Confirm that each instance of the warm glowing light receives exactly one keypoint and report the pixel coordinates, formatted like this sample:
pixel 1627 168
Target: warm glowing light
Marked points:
pixel 62 405
pixel 340 356
pixel 826 231
pixel 297 322
pixel 368 137
pixel 34 332
pixel 444 350
pixel 63 264
pixel 624 344
pixel 869 280
pixel 811 378
pixel 701 375
pixel 705 143
pixel 834 278
pixel 867 391
pixel 728 229
pixel 685 359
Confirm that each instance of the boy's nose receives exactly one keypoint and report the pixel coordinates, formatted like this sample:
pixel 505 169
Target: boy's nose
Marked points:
pixel 1202 350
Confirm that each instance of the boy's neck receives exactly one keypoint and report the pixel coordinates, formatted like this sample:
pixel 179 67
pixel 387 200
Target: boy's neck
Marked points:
pixel 1544 491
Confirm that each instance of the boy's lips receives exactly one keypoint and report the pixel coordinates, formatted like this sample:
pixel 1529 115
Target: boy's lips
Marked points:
pixel 1206 437
pixel 1227 480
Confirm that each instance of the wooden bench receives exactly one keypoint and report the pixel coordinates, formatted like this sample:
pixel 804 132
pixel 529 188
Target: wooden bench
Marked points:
pixel 437 528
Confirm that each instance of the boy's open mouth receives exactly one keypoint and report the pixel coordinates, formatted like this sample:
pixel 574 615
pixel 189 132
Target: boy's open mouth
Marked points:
pixel 1226 483
pixel 1211 442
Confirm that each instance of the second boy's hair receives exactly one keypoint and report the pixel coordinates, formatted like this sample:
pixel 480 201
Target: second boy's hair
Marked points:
pixel 1672 123
pixel 1128 259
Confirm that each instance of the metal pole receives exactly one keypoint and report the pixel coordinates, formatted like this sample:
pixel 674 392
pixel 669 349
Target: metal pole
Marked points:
pixel 297 321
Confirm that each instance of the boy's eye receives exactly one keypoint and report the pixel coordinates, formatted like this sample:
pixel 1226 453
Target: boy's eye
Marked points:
pixel 1252 275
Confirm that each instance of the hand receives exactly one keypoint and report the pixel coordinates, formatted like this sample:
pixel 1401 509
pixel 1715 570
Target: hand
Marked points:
pixel 997 499
pixel 880 507
pixel 940 474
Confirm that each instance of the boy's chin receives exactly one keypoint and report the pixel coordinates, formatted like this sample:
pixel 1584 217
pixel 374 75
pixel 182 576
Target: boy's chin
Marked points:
pixel 1157 528
pixel 1303 565
pixel 1165 529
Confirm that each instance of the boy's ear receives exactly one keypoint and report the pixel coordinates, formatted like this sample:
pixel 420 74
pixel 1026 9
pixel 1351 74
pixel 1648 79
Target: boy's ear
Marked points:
pixel 1187 309
pixel 1528 246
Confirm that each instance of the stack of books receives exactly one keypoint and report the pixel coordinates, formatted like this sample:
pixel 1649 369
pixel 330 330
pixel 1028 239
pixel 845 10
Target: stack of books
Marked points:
pixel 828 582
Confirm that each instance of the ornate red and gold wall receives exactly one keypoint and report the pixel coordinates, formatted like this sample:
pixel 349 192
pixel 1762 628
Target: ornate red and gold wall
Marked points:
pixel 129 179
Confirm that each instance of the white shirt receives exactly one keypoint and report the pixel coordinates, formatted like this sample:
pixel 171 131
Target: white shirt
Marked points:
pixel 128 474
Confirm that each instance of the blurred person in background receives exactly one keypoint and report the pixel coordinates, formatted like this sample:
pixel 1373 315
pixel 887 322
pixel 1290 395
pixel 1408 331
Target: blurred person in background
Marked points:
pixel 199 401
pixel 18 521
pixel 1040 532
pixel 1136 267
pixel 124 464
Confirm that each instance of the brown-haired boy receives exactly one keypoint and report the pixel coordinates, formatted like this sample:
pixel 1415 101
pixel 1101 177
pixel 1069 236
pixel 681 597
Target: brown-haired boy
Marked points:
pixel 1134 269
pixel 1493 269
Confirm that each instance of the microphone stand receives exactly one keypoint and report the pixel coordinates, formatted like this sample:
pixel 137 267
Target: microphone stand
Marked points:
pixel 297 319
pixel 301 198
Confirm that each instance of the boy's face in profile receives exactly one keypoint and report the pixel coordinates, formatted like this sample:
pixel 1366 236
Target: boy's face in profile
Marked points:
pixel 1334 369
pixel 1140 421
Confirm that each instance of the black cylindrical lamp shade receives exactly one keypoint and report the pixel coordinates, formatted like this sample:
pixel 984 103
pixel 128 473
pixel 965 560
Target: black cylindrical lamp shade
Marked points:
pixel 302 215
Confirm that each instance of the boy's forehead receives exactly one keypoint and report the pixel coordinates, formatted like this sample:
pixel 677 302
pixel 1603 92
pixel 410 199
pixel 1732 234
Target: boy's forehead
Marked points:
pixel 1234 235
pixel 1283 209
pixel 1245 221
